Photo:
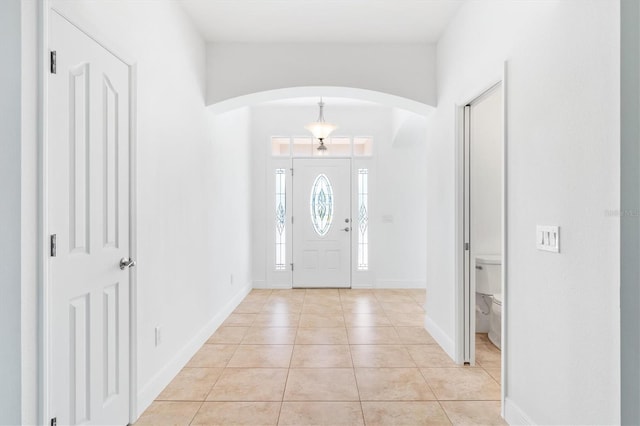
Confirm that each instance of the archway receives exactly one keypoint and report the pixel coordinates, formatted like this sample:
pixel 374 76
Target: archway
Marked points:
pixel 327 91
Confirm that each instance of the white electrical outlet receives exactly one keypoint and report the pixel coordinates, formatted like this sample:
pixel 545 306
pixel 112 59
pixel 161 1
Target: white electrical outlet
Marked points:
pixel 158 336
pixel 548 238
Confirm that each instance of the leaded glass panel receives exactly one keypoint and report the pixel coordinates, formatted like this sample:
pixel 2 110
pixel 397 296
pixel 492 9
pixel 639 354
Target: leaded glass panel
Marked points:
pixel 363 219
pixel 281 216
pixel 321 205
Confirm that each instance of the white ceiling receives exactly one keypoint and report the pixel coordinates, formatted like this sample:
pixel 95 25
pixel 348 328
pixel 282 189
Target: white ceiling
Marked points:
pixel 355 21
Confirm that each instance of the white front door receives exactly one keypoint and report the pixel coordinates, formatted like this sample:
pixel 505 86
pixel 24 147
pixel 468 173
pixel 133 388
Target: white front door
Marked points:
pixel 88 211
pixel 321 223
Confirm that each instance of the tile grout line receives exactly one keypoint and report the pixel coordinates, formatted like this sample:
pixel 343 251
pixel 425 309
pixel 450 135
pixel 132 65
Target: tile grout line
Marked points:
pixel 444 411
pixel 428 384
pixel 217 379
pixel 196 413
pixel 353 367
pixel 286 381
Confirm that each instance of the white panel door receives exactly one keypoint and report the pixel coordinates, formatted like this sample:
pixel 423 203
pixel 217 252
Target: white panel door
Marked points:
pixel 321 223
pixel 88 211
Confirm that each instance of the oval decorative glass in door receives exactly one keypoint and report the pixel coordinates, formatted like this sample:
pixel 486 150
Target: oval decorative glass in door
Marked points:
pixel 321 205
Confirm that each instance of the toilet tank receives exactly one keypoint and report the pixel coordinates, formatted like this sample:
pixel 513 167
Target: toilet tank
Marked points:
pixel 488 274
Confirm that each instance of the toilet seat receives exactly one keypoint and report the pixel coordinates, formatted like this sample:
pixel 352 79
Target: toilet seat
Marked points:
pixel 495 321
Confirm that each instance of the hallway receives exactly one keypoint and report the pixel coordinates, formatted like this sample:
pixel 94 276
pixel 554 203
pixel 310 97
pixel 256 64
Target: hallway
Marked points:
pixel 327 356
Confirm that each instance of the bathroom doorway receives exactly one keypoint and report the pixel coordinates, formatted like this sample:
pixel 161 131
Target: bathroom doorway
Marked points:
pixel 482 242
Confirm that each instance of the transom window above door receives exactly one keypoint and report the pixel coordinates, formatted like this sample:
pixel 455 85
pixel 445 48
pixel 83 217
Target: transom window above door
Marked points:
pixel 339 146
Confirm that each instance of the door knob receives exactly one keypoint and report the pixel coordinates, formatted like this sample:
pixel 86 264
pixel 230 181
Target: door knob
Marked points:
pixel 127 263
pixel 347 229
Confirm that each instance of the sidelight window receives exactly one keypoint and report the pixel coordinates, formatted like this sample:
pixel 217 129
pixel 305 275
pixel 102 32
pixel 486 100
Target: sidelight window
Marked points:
pixel 281 216
pixel 363 219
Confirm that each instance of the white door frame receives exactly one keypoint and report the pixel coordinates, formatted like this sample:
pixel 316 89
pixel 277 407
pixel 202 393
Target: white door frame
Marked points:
pixel 283 279
pixel 468 299
pixel 44 290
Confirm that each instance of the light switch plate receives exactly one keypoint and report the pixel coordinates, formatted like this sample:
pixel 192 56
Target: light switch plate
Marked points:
pixel 548 238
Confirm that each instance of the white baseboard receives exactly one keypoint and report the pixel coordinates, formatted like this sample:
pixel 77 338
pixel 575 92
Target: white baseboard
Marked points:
pixel 152 389
pixel 260 284
pixel 442 338
pixel 361 285
pixel 382 284
pixel 514 415
pixel 267 285
pixel 280 287
pixel 401 284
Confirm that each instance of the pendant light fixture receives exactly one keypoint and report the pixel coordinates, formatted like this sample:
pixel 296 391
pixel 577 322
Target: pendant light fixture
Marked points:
pixel 320 129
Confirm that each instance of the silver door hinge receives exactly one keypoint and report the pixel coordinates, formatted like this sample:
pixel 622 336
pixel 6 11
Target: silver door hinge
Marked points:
pixel 53 245
pixel 292 220
pixel 53 65
pixel 466 246
pixel 291 171
pixel 292 267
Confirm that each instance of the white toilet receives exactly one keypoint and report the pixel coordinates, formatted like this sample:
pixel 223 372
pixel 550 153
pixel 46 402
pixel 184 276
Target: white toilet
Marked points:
pixel 488 298
pixel 495 321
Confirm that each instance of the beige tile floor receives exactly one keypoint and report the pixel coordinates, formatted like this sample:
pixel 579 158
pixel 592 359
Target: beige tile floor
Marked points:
pixel 329 357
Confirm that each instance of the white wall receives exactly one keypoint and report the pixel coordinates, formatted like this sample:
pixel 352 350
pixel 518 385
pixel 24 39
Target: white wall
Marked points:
pixel 231 190
pixel 236 69
pixel 630 208
pixel 399 194
pixel 562 94
pixel 10 212
pixel 181 284
pixel 397 187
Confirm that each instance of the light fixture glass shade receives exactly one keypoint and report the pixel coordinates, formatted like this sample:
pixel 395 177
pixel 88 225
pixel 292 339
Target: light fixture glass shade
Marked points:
pixel 320 129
